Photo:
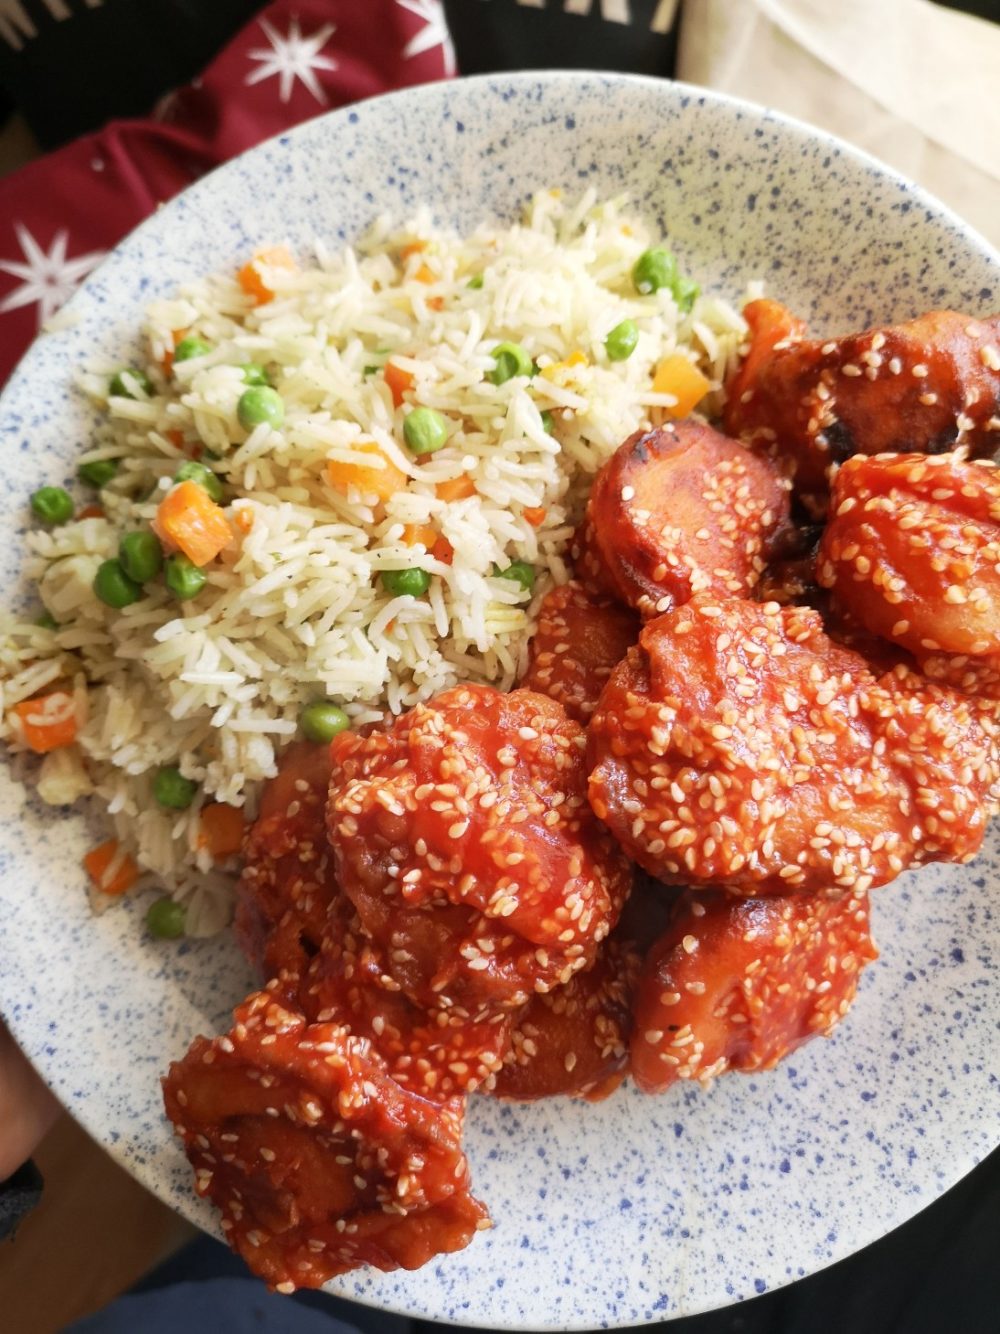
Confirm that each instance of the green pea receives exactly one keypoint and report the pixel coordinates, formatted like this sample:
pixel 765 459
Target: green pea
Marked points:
pixel 413 583
pixel 114 587
pixel 140 555
pixel 173 790
pixel 620 342
pixel 654 269
pixel 52 504
pixel 190 347
pixel 98 472
pixel 519 571
pixel 254 374
pixel 47 621
pixel 510 359
pixel 322 721
pixel 205 477
pixel 258 405
pixel 124 382
pixel 686 292
pixel 425 431
pixel 183 577
pixel 475 282
pixel 165 919
pixel 548 422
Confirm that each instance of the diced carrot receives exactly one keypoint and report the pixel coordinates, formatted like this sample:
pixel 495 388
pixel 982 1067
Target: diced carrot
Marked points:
pixel 412 248
pixel 443 551
pixel 535 515
pixel 679 376
pixel 48 721
pixel 167 361
pixel 398 381
pixel 221 830
pixel 382 481
pixel 435 303
pixel 91 512
pixel 243 518
pixel 420 534
pixel 251 279
pixel 425 274
pixel 188 518
pixel 456 488
pixel 112 871
pixel 192 448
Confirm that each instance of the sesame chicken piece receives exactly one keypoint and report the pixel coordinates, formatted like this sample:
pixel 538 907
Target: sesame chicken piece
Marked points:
pixel 463 836
pixel 790 576
pixel 912 551
pixel 737 984
pixel 287 880
pixel 316 1159
pixel 682 510
pixel 439 1054
pixel 574 1040
pixel 926 386
pixel 739 746
pixel 589 571
pixel 578 640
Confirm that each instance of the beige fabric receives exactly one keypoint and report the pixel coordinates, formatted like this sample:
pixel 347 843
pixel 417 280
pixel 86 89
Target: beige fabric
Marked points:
pixel 912 83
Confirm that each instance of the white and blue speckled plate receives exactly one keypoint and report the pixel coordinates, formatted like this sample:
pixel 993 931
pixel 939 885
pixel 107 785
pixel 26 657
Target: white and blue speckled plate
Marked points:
pixel 638 1209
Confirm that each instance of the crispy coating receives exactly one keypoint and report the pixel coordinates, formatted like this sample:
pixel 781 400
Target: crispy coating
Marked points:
pixel 574 1040
pixel 463 837
pixel 287 880
pixel 439 1054
pixel 578 641
pixel 912 551
pixel 926 386
pixel 317 1160
pixel 737 984
pixel 739 746
pixel 682 510
pixel 589 570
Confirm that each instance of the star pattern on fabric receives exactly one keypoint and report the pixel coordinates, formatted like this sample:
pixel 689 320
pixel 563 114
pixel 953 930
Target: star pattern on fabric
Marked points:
pixel 434 33
pixel 292 57
pixel 48 278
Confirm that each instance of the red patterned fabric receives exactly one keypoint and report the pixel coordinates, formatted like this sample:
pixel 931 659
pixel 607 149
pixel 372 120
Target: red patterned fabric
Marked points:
pixel 297 59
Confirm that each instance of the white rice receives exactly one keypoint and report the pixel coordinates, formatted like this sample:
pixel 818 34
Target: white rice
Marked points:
pixel 293 609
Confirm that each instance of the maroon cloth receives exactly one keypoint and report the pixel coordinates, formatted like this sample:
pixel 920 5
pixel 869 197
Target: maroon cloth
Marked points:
pixel 297 59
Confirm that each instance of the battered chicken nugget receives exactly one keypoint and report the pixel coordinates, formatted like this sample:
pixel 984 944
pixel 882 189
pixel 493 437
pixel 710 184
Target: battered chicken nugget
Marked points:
pixel 912 551
pixel 288 880
pixel 682 510
pixel 578 641
pixel 737 984
pixel 317 1160
pixel 464 839
pixel 574 1040
pixel 438 1054
pixel 926 386
pixel 589 571
pixel 739 746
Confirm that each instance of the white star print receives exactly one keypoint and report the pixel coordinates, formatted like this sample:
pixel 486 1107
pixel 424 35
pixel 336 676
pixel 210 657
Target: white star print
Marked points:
pixel 293 57
pixel 433 33
pixel 47 279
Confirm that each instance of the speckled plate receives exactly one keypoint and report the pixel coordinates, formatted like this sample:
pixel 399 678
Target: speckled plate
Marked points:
pixel 637 1209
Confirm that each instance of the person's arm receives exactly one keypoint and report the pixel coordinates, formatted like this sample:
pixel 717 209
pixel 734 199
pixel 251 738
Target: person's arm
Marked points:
pixel 27 1110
